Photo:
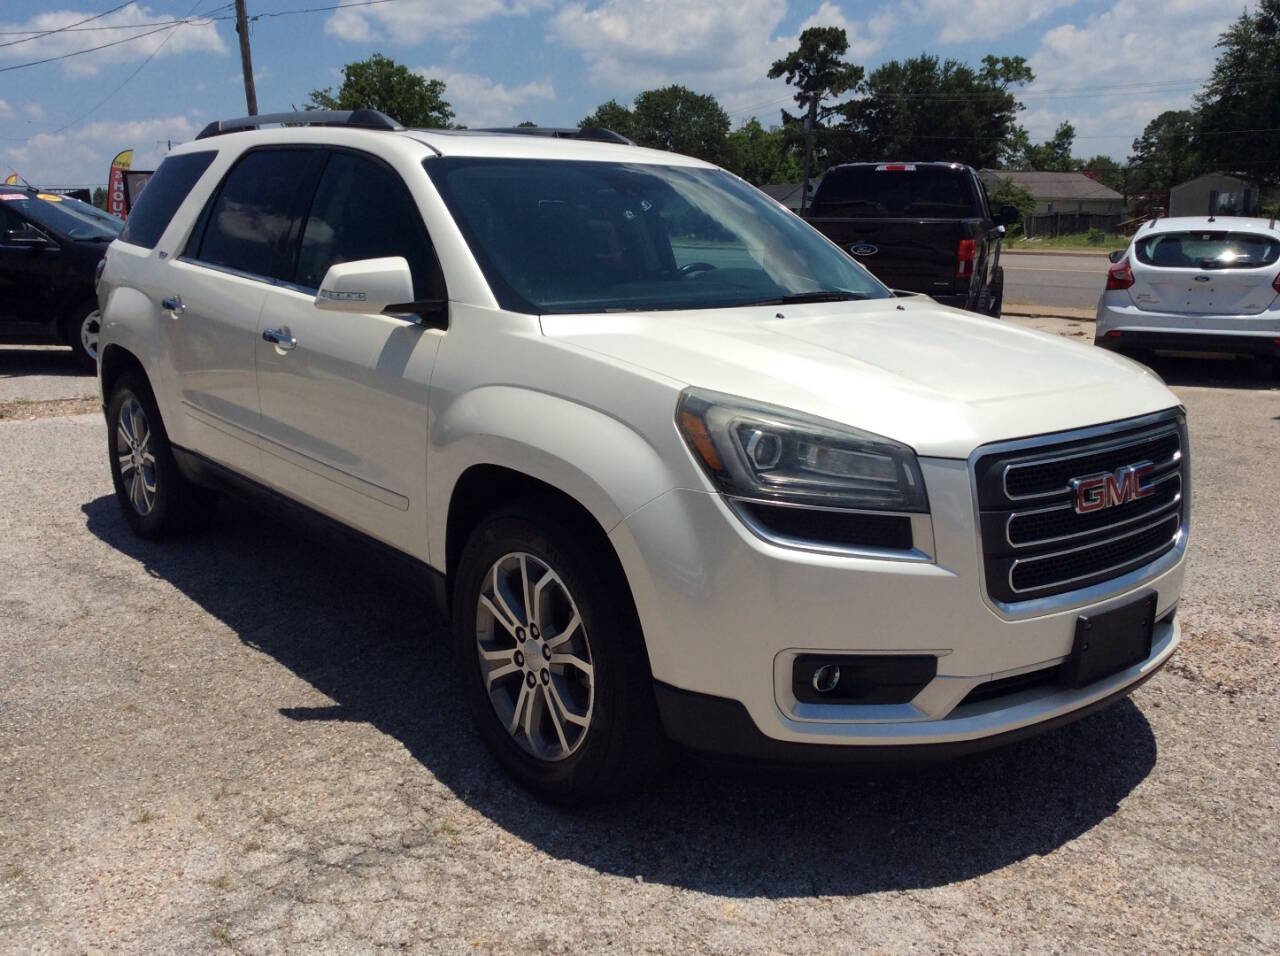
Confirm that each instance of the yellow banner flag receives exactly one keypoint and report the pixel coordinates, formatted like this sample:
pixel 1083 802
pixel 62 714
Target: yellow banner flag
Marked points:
pixel 116 204
pixel 11 179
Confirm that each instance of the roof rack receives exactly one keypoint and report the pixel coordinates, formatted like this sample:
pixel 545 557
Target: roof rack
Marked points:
pixel 596 133
pixel 357 119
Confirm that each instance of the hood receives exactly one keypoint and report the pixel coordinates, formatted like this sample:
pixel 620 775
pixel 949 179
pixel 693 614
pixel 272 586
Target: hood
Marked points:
pixel 938 379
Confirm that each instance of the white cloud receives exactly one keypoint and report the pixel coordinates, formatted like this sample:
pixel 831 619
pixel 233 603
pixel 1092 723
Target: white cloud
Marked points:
pixel 5 110
pixel 201 37
pixel 83 156
pixel 34 110
pixel 962 20
pixel 722 47
pixel 479 101
pixel 1129 63
pixel 413 21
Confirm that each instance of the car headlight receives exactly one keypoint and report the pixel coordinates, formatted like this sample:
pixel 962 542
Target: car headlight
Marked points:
pixel 763 453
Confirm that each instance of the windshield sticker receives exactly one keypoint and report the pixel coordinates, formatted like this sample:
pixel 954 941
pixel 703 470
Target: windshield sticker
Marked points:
pixel 48 197
pixel 16 197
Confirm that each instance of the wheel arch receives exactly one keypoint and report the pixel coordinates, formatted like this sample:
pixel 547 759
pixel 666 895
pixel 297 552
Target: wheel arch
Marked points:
pixel 115 361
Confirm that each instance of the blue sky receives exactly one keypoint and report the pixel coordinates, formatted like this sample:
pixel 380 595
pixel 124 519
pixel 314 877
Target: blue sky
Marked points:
pixel 1107 66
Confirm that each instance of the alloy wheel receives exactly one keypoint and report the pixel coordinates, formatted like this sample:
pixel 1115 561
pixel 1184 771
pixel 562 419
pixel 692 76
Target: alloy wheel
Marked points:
pixel 134 456
pixel 90 328
pixel 535 656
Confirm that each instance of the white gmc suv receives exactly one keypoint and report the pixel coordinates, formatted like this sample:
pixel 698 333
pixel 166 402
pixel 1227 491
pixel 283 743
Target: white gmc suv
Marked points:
pixel 681 468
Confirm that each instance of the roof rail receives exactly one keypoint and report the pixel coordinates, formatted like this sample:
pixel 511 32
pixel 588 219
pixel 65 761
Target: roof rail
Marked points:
pixel 587 132
pixel 358 119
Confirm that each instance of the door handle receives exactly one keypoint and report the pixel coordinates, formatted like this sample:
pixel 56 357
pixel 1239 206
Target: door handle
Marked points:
pixel 280 338
pixel 173 303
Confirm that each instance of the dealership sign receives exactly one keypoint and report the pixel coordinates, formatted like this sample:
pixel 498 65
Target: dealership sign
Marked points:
pixel 117 203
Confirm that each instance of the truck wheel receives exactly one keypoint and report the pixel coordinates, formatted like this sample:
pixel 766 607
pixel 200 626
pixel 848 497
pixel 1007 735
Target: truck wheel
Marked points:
pixel 81 333
pixel 996 302
pixel 156 498
pixel 552 659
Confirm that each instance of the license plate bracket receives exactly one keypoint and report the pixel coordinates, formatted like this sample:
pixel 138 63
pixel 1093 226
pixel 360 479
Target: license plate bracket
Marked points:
pixel 1109 642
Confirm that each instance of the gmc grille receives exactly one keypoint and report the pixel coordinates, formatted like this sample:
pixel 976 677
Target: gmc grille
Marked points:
pixel 1036 545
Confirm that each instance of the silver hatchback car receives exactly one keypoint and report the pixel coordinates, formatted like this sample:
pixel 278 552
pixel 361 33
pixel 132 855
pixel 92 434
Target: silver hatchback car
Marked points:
pixel 1198 284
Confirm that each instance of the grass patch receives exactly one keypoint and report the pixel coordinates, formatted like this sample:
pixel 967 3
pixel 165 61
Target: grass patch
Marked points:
pixel 1078 242
pixel 10 872
pixel 221 934
pixel 143 817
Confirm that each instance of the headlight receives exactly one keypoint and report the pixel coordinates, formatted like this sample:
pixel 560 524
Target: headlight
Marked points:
pixel 765 453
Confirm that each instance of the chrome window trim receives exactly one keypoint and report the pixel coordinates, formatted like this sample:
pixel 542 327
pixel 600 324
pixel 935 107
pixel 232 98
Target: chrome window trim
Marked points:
pixel 922 550
pixel 1008 524
pixel 1108 446
pixel 1094 593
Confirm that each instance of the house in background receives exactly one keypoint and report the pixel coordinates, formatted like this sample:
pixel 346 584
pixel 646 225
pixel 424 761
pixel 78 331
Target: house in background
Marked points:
pixel 1214 194
pixel 1065 202
pixel 786 193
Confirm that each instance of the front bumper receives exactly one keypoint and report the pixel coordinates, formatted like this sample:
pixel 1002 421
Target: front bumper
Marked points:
pixel 725 614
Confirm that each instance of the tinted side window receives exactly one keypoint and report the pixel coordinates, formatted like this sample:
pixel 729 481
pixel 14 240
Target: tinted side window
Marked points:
pixel 363 210
pixel 162 197
pixel 253 222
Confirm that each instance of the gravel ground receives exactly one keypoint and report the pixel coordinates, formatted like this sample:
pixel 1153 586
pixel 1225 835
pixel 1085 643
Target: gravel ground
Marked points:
pixel 41 373
pixel 245 741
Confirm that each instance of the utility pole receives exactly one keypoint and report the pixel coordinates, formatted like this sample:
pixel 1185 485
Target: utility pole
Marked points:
pixel 246 61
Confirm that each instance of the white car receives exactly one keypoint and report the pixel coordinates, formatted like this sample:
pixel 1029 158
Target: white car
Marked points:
pixel 680 467
pixel 1195 284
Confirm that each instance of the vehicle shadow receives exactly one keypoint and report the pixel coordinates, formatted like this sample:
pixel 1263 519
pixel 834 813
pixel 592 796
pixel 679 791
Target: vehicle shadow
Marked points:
pixel 375 647
pixel 1215 372
pixel 46 360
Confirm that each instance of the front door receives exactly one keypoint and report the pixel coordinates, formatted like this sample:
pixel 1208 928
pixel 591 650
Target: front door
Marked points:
pixel 344 398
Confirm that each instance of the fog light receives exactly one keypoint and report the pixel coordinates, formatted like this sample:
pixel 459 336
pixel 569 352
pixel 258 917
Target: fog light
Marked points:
pixel 826 677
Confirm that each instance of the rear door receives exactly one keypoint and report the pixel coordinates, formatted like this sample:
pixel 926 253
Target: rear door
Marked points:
pixel 1205 272
pixel 30 266
pixel 344 410
pixel 242 244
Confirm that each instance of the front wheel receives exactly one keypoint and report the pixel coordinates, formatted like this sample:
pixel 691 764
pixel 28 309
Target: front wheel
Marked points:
pixel 552 659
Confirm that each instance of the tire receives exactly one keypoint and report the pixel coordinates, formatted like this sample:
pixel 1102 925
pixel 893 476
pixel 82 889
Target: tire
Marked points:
pixel 996 296
pixel 156 498
pixel 613 740
pixel 81 333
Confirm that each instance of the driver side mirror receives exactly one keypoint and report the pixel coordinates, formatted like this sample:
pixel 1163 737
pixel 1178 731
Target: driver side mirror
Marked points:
pixel 1116 256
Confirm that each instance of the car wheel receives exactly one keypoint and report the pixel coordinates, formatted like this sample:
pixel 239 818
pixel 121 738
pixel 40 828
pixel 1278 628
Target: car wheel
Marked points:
pixel 156 498
pixel 82 335
pixel 997 294
pixel 552 658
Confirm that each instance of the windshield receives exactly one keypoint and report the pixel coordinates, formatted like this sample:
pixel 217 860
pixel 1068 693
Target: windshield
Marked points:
pixel 556 236
pixel 1207 250
pixel 68 217
pixel 894 191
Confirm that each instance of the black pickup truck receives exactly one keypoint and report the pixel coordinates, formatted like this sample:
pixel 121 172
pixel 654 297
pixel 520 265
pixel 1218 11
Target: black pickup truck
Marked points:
pixel 919 227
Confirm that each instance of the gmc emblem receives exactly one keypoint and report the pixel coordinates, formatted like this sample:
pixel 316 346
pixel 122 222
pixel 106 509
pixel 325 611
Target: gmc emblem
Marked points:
pixel 1110 489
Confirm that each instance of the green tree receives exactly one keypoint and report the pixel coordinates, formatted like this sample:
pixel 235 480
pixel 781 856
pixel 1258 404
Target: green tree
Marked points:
pixel 1009 193
pixel 100 198
pixel 673 118
pixel 613 116
pixel 1239 108
pixel 927 108
pixel 818 71
pixel 763 156
pixel 380 83
pixel 1165 154
pixel 529 124
pixel 1053 155
pixel 1107 171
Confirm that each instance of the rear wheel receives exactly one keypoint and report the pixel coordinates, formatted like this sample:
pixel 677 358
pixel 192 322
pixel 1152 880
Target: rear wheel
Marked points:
pixel 552 658
pixel 81 333
pixel 155 497
pixel 995 301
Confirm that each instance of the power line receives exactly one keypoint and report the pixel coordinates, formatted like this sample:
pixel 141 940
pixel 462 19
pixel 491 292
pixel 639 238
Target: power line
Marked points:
pixel 67 56
pixel 38 34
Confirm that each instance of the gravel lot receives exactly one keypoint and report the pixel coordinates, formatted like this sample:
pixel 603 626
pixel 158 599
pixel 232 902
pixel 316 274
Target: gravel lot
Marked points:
pixel 248 741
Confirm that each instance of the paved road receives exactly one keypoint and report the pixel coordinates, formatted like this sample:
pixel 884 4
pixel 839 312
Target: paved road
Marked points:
pixel 193 757
pixel 1052 280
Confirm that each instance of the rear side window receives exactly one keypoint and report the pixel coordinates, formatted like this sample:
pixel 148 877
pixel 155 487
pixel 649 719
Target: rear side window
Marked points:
pixel 363 210
pixel 162 196
pixel 253 222
pixel 895 190
pixel 1207 250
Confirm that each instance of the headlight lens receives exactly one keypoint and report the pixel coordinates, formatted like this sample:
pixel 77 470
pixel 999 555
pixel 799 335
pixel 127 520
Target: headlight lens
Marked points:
pixel 757 451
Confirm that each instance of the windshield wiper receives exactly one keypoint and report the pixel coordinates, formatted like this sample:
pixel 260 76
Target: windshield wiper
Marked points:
pixel 822 295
